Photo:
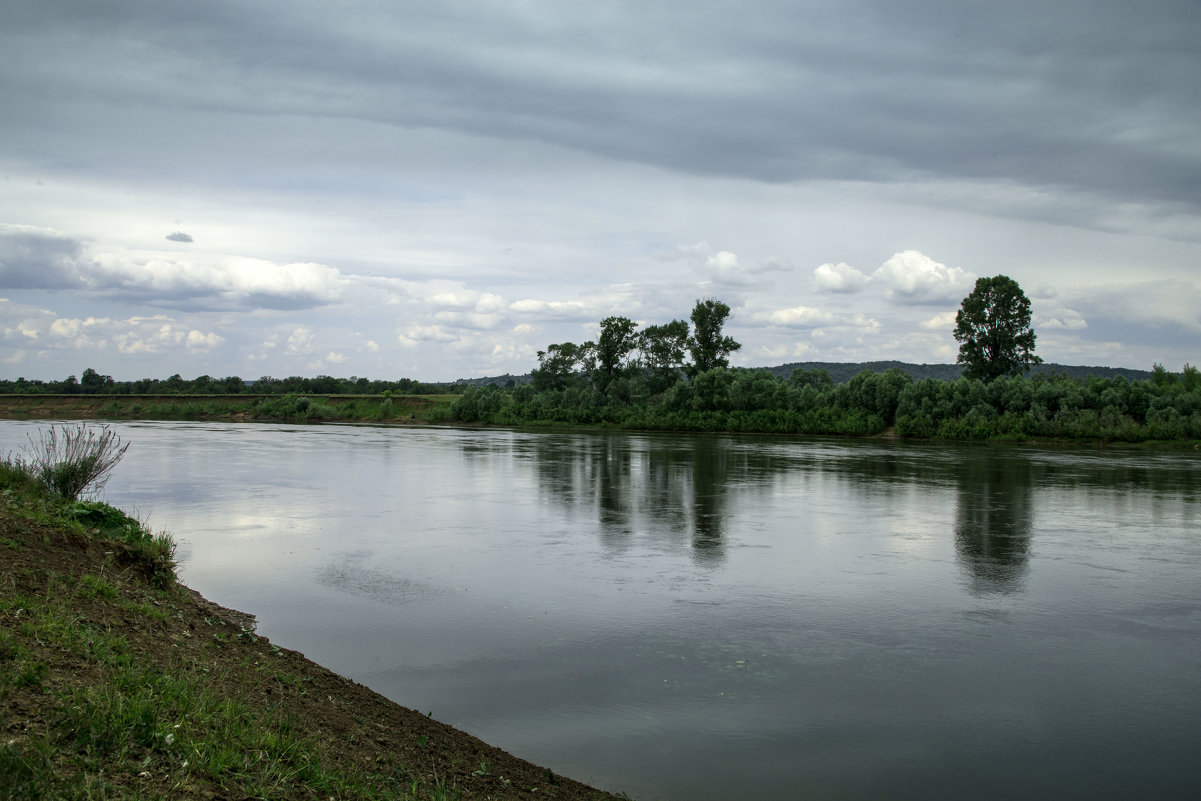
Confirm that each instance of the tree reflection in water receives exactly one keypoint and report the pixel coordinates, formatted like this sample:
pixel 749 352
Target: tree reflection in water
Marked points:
pixel 678 486
pixel 681 489
pixel 994 518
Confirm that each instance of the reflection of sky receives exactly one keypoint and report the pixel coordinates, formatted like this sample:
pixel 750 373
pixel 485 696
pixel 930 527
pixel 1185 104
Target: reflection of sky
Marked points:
pixel 547 591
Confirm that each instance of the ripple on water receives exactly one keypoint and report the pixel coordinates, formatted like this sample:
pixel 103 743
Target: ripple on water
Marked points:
pixel 353 578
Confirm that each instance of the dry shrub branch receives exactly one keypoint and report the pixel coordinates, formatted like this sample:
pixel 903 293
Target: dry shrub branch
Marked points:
pixel 74 461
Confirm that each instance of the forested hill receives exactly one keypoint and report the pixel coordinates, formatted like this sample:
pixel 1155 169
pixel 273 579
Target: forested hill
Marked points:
pixel 842 372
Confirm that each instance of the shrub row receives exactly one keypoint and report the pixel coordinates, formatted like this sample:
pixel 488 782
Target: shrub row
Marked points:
pixel 730 399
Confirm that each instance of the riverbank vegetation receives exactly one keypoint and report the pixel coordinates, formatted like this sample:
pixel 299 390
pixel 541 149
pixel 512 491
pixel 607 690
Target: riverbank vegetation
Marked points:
pixel 676 376
pixel 1167 407
pixel 92 382
pixel 118 682
pixel 642 380
pixel 289 408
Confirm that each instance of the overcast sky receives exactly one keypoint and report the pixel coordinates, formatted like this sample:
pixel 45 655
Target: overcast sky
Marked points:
pixel 440 189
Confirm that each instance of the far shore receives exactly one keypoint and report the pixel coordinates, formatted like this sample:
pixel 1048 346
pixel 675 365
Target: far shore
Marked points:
pixel 401 410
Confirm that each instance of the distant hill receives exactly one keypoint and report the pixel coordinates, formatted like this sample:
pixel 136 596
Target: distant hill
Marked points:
pixel 499 380
pixel 841 372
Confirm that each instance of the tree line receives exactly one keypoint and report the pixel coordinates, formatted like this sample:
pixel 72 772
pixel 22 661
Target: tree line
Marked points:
pixel 624 362
pixel 92 382
pixel 1168 406
pixel 676 376
pixel 641 379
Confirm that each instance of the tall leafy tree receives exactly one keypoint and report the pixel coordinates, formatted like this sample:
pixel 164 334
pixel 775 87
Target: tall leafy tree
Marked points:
pixel 92 381
pixel 663 348
pixel 993 330
pixel 615 342
pixel 556 365
pixel 708 347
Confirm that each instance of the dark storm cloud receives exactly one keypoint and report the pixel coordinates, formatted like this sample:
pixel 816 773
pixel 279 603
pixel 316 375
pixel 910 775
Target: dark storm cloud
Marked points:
pixel 37 258
pixel 1094 97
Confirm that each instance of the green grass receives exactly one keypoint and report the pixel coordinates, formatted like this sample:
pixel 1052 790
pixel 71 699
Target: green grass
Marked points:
pixel 97 587
pixel 164 723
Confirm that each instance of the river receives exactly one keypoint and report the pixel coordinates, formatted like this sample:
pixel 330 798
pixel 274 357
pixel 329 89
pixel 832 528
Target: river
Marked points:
pixel 712 617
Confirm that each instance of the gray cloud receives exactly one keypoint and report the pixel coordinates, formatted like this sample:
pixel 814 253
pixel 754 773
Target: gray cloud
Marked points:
pixel 1098 97
pixel 38 258
pixel 1161 314
pixel 179 236
pixel 491 177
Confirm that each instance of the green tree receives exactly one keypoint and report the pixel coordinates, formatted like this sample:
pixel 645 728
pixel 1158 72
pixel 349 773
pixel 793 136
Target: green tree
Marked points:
pixel 556 365
pixel 708 347
pixel 663 348
pixel 1161 377
pixel 615 343
pixel 993 330
pixel 818 378
pixel 92 381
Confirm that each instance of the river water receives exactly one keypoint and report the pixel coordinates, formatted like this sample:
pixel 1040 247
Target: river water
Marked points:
pixel 688 617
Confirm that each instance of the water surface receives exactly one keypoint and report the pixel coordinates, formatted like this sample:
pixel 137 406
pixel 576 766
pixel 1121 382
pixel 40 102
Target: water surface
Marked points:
pixel 689 617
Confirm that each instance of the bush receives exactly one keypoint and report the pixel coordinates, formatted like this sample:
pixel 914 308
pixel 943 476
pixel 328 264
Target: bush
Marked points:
pixel 74 461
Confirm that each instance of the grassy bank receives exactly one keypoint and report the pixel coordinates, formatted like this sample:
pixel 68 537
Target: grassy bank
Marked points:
pixel 400 409
pixel 118 682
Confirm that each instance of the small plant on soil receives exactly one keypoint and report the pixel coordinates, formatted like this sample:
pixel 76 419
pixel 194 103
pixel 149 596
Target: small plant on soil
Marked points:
pixel 74 461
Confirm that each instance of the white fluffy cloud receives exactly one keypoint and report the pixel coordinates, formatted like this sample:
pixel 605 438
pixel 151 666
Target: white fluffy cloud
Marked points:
pixel 23 324
pixel 554 309
pixel 198 340
pixel 87 334
pixel 300 341
pixel 132 336
pixel 42 258
pixel 462 299
pixel 414 335
pixel 840 278
pixel 1061 318
pixel 940 322
pixel 223 281
pixel 800 317
pixel 725 268
pixel 913 277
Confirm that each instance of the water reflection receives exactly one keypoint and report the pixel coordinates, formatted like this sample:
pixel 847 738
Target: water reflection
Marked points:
pixel 678 489
pixel 709 472
pixel 876 605
pixel 683 489
pixel 994 518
